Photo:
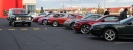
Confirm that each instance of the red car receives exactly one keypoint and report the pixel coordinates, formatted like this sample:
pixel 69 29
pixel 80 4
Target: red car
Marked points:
pixel 60 18
pixel 84 25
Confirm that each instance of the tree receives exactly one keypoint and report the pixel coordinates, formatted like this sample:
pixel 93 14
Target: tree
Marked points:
pixel 42 10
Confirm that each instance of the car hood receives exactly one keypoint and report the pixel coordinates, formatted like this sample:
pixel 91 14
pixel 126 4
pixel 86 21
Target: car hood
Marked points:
pixel 85 20
pixel 102 23
pixel 72 20
pixel 44 17
pixel 23 15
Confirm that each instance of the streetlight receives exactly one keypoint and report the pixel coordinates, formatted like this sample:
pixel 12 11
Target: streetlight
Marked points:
pixel 104 5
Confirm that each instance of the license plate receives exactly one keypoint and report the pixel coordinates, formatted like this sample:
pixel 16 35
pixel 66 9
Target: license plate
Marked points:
pixel 23 21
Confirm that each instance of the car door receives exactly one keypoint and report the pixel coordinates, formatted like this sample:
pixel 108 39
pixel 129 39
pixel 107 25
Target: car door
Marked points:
pixel 127 30
pixel 111 19
pixel 61 18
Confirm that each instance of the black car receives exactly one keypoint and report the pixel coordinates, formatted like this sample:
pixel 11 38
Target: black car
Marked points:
pixel 113 30
pixel 18 16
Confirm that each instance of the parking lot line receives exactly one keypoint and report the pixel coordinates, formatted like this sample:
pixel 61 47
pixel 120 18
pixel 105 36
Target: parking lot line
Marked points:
pixel 36 29
pixel 0 29
pixel 24 29
pixel 45 28
pixel 123 42
pixel 11 29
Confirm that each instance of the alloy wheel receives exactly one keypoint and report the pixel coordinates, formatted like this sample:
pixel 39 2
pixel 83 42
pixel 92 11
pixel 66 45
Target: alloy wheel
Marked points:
pixel 72 26
pixel 45 22
pixel 13 24
pixel 85 29
pixel 109 35
pixel 55 24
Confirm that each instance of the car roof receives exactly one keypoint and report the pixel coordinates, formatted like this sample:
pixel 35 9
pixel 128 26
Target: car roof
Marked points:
pixel 112 15
pixel 16 8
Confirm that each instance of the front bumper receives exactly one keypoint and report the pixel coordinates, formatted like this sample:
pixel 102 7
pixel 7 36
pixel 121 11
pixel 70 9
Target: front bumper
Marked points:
pixel 66 24
pixel 22 21
pixel 96 32
pixel 77 27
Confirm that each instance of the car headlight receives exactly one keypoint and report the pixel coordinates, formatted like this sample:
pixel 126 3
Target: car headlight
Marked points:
pixel 18 18
pixel 29 18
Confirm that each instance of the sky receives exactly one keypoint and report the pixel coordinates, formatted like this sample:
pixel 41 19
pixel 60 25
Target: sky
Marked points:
pixel 82 3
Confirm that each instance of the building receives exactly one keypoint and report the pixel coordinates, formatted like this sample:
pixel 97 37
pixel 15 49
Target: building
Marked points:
pixel 30 5
pixel 5 5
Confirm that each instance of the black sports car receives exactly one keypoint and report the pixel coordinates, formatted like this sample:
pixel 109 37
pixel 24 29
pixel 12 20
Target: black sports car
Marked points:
pixel 113 30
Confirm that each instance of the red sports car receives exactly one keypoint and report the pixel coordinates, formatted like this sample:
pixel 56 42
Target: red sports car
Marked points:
pixel 60 18
pixel 84 25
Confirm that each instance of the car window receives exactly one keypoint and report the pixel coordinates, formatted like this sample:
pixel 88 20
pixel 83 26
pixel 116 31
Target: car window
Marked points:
pixel 71 16
pixel 20 11
pixel 111 18
pixel 92 17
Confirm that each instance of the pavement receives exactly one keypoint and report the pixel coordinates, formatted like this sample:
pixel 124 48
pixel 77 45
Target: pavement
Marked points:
pixel 46 37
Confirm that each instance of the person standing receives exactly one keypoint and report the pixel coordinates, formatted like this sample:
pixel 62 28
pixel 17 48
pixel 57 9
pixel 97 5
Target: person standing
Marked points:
pixel 107 12
pixel 123 14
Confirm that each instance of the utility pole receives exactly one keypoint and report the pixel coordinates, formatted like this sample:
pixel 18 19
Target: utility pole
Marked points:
pixel 104 5
pixel 63 7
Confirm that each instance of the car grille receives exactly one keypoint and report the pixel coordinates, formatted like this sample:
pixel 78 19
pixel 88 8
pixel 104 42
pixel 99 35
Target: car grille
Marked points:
pixel 23 18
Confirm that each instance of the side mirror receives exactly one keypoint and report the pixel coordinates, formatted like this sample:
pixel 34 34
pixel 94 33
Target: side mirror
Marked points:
pixel 129 23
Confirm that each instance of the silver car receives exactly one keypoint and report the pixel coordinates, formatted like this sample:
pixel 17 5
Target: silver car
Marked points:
pixel 70 23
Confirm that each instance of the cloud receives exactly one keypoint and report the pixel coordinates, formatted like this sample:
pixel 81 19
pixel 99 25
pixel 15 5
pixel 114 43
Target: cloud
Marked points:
pixel 82 3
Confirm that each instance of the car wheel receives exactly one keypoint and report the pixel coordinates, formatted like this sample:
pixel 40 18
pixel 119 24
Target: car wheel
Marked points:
pixel 55 23
pixel 72 26
pixel 10 23
pixel 45 22
pixel 109 35
pixel 85 29
pixel 23 24
pixel 13 24
pixel 29 24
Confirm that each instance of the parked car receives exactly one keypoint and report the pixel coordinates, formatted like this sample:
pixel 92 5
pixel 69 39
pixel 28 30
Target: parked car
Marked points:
pixel 33 15
pixel 44 20
pixel 19 16
pixel 61 18
pixel 39 16
pixel 84 25
pixel 112 30
pixel 70 23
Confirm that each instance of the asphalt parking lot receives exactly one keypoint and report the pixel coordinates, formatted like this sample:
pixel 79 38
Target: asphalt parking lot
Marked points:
pixel 41 37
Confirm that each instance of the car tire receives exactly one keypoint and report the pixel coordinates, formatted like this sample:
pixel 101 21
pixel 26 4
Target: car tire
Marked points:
pixel 109 35
pixel 71 26
pixel 23 24
pixel 85 29
pixel 45 22
pixel 29 24
pixel 55 24
pixel 13 24
pixel 10 23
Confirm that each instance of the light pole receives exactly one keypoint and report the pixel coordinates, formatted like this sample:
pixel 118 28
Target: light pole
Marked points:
pixel 104 5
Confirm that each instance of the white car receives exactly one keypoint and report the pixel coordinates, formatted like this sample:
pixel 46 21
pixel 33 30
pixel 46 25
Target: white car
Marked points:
pixel 33 14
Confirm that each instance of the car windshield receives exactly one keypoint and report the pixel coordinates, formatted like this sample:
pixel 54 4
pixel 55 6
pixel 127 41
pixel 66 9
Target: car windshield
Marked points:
pixel 50 15
pixel 125 20
pixel 72 16
pixel 19 11
pixel 92 17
